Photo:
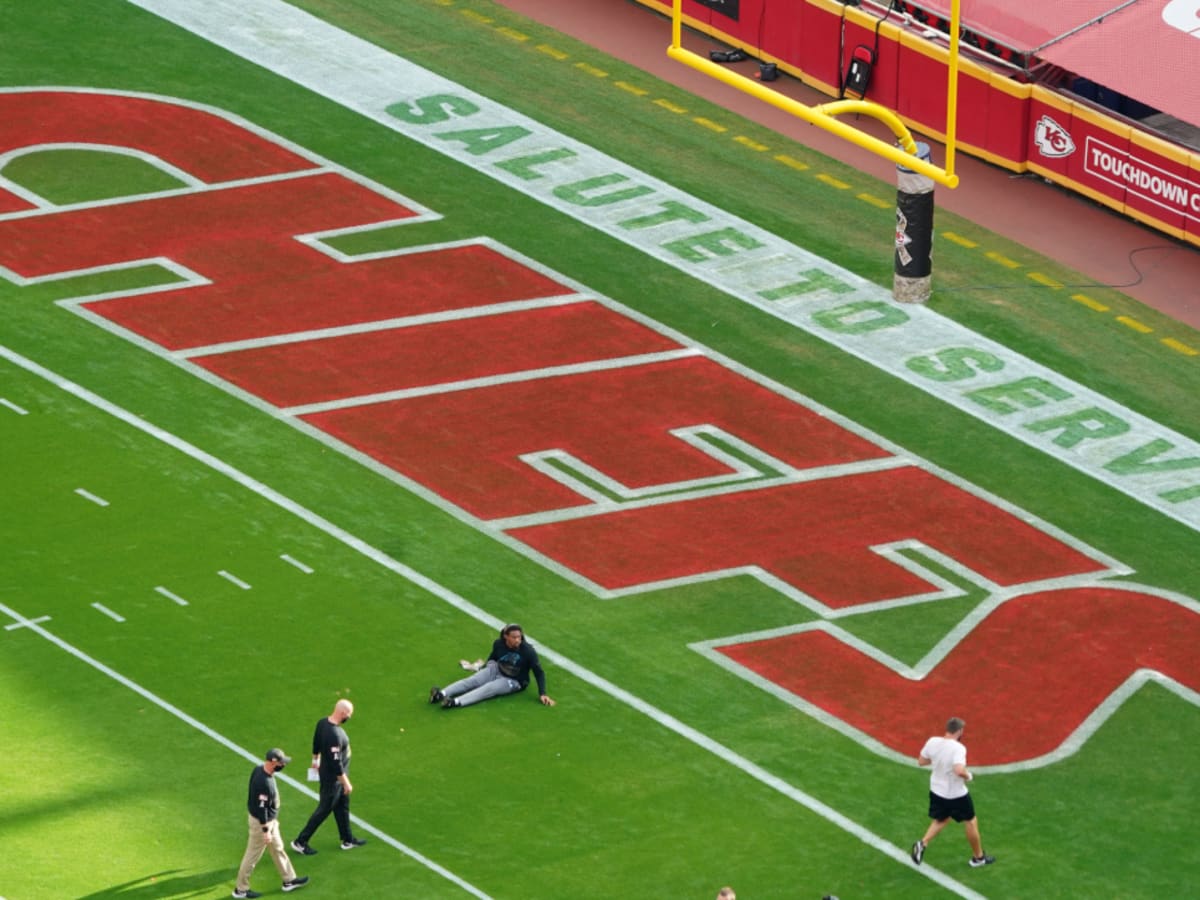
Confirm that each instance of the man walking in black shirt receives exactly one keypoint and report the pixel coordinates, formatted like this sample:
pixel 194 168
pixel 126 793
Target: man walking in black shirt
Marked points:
pixel 506 672
pixel 331 756
pixel 263 808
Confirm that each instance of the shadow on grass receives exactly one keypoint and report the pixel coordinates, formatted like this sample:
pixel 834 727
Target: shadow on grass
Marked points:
pixel 172 883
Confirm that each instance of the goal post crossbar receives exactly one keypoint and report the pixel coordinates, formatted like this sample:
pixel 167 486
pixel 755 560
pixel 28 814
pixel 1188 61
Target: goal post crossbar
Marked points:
pixel 824 116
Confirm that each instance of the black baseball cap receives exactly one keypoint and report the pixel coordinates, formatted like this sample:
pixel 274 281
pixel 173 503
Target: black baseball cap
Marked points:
pixel 278 755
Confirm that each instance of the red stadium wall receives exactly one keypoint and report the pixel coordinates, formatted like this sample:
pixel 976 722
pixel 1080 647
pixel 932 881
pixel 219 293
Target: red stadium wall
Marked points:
pixel 1018 126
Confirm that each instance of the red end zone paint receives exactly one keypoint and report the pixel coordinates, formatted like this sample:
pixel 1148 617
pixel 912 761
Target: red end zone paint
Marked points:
pixel 10 203
pixel 205 145
pixel 466 445
pixel 1059 654
pixel 815 536
pixel 1025 678
pixel 436 353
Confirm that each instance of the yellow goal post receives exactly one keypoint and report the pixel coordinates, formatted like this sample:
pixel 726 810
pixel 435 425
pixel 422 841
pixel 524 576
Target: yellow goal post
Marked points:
pixel 902 153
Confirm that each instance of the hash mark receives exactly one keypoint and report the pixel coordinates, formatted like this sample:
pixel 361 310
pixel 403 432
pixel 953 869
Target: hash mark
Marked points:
pixel 20 412
pixel 108 612
pixel 307 570
pixel 88 495
pixel 170 596
pixel 234 580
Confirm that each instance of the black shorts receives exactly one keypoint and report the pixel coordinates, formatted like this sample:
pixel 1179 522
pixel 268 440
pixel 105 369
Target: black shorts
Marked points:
pixel 960 809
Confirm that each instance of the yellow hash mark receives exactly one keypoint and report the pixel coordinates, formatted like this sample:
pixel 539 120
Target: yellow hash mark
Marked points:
pixel 750 144
pixel 1044 279
pixel 669 106
pixel 956 238
pixel 1089 302
pixel 1181 347
pixel 1002 259
pixel 710 124
pixel 553 52
pixel 1134 324
pixel 478 17
pixel 632 88
pixel 512 33
pixel 792 163
pixel 591 70
pixel 875 201
pixel 833 182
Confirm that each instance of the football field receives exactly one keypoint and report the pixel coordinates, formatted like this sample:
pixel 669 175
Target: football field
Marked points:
pixel 337 334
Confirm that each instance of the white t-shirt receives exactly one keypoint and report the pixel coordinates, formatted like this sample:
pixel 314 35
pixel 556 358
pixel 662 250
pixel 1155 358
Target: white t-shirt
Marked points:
pixel 945 753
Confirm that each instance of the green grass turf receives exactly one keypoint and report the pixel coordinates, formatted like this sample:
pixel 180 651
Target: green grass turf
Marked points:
pixel 590 799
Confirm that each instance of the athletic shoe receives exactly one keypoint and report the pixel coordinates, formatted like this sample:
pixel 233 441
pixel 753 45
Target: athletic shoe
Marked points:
pixel 450 703
pixel 295 884
pixel 977 861
pixel 352 843
pixel 303 848
pixel 436 695
pixel 246 893
pixel 918 852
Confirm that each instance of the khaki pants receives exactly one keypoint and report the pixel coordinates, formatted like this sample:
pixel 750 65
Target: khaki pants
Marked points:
pixel 256 844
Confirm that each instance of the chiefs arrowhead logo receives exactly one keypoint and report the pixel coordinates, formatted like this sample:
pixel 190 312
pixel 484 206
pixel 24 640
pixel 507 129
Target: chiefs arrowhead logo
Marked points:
pixel 1052 139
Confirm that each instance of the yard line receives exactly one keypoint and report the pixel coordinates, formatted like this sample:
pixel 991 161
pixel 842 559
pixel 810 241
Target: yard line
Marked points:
pixel 22 624
pixel 233 579
pixel 108 612
pixel 291 561
pixel 443 593
pixel 20 412
pixel 236 748
pixel 88 495
pixel 162 590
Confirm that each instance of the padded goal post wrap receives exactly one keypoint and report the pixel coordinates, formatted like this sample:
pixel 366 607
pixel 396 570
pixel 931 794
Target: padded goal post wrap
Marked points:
pixel 914 233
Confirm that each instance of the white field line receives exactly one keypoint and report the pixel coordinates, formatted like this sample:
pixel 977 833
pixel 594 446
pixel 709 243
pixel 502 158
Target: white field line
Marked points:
pixel 170 596
pixel 465 606
pixel 100 607
pixel 233 579
pixel 470 384
pixel 292 561
pixel 226 742
pixel 88 495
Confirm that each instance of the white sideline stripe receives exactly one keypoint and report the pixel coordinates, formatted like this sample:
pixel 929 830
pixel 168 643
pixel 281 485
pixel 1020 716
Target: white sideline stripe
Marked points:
pixel 88 495
pixel 233 579
pixel 170 596
pixel 20 412
pixel 226 742
pixel 108 612
pixel 487 381
pixel 292 561
pixel 465 606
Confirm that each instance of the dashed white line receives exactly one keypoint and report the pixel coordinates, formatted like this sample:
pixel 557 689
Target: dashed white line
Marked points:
pixel 88 495
pixel 241 751
pixel 233 579
pixel 307 570
pixel 108 612
pixel 175 597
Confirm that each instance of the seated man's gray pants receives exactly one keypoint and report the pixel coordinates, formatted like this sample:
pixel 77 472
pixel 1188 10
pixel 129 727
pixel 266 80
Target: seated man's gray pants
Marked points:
pixel 485 684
